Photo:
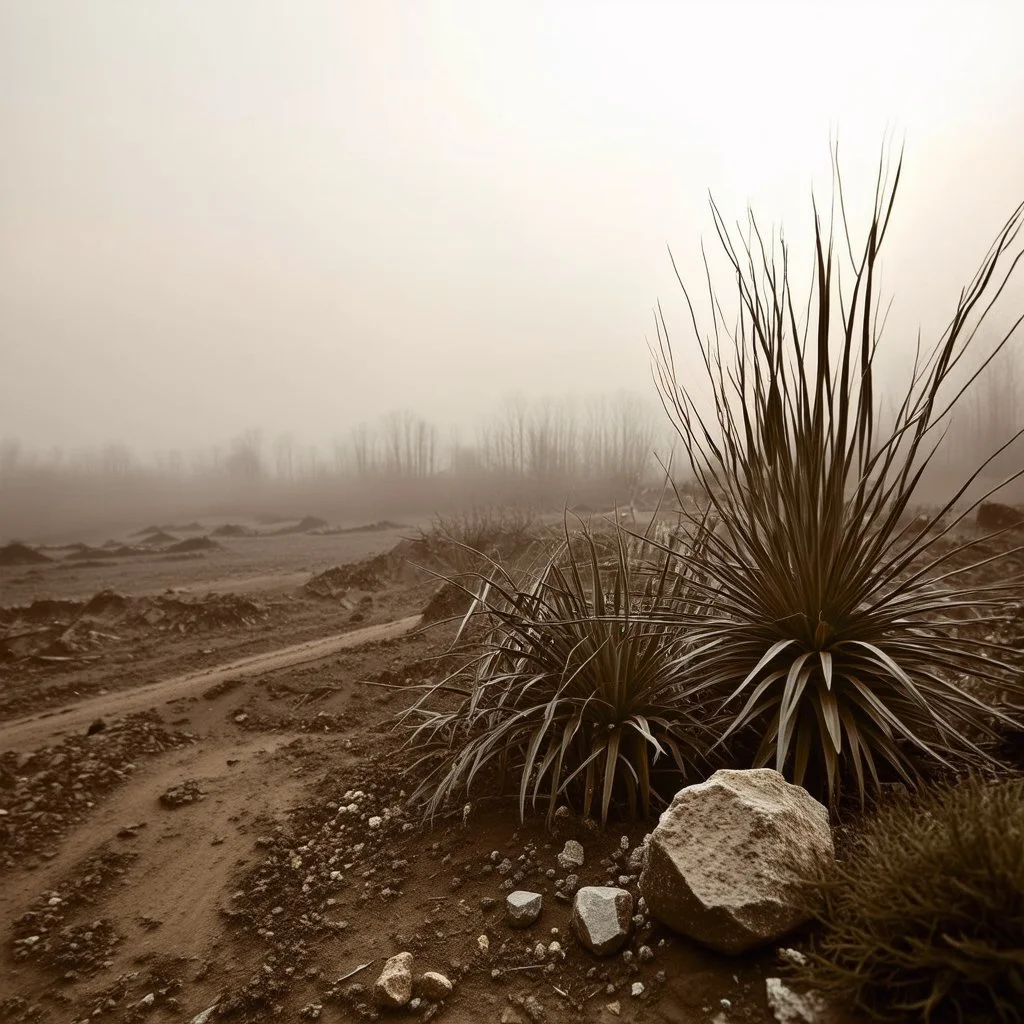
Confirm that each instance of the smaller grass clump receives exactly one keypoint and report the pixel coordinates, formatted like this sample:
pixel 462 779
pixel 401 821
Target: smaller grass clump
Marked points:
pixel 576 694
pixel 465 542
pixel 924 920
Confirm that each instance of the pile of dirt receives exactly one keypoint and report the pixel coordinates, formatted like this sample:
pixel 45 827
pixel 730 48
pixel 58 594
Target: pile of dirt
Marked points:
pixel 233 530
pixel 158 539
pixel 335 582
pixel 61 631
pixel 993 516
pixel 16 553
pixel 308 524
pixel 193 544
pixel 448 601
pixel 45 793
pixel 83 552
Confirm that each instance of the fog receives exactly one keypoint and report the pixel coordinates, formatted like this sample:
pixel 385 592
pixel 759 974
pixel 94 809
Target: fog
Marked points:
pixel 296 218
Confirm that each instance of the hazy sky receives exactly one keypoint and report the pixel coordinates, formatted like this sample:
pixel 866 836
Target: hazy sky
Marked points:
pixel 215 215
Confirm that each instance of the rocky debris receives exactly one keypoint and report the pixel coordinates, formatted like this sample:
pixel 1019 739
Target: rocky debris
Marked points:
pixel 393 988
pixel 572 855
pixel 46 792
pixel 98 725
pixel 993 516
pixel 66 630
pixel 336 582
pixel 523 908
pixel 187 792
pixel 602 917
pixel 50 935
pixel 433 986
pixel 790 1007
pixel 724 866
pixel 16 553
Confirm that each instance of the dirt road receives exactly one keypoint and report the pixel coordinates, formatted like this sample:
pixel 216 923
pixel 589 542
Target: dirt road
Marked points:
pixel 34 731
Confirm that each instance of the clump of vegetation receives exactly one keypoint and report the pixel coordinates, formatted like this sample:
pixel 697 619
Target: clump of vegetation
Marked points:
pixel 924 920
pixel 576 695
pixel 466 542
pixel 829 618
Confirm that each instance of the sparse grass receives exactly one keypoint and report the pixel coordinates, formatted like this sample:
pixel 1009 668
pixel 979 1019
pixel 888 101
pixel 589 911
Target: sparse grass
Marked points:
pixel 924 919
pixel 576 696
pixel 464 543
pixel 828 621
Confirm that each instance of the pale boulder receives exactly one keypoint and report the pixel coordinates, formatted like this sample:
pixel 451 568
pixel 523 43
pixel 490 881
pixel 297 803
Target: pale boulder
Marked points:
pixel 727 863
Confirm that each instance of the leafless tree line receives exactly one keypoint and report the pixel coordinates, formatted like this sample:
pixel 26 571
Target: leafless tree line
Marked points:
pixel 541 453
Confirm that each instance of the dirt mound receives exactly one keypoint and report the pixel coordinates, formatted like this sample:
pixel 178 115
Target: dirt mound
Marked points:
pixel 63 631
pixel 338 580
pixel 447 602
pixel 16 553
pixel 193 544
pixel 233 530
pixel 993 516
pixel 308 524
pixel 158 538
pixel 83 552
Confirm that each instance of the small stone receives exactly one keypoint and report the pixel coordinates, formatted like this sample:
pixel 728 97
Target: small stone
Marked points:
pixel 571 884
pixel 637 989
pixel 394 986
pixel 645 954
pixel 613 1008
pixel 791 1007
pixel 602 917
pixel 433 986
pixel 571 855
pixel 523 908
pixel 483 944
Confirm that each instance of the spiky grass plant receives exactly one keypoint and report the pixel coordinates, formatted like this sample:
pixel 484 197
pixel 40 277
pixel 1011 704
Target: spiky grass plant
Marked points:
pixel 829 617
pixel 576 695
pixel 924 919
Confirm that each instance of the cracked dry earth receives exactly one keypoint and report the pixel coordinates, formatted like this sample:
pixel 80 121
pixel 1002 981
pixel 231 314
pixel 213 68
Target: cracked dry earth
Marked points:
pixel 230 841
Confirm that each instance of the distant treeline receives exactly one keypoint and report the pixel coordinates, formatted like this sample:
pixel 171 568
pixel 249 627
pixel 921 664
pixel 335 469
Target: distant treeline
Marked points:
pixel 541 453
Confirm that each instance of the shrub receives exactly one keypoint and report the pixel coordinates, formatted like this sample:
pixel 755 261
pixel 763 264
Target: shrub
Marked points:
pixel 466 542
pixel 925 918
pixel 576 693
pixel 829 619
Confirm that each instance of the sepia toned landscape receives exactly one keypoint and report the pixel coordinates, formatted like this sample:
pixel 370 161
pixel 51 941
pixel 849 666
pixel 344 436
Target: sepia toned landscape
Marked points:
pixel 425 594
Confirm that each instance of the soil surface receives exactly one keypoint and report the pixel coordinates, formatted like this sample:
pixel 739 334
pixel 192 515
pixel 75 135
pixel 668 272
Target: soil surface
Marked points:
pixel 202 806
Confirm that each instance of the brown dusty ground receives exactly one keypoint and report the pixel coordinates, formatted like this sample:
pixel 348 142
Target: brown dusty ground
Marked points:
pixel 235 833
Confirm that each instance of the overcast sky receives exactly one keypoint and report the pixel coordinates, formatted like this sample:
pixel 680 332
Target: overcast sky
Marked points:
pixel 297 215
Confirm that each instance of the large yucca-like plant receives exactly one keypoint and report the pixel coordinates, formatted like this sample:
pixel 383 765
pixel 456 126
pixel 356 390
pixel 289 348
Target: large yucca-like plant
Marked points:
pixel 577 693
pixel 829 618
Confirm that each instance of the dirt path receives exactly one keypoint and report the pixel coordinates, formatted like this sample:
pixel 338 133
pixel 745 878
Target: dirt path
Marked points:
pixel 34 731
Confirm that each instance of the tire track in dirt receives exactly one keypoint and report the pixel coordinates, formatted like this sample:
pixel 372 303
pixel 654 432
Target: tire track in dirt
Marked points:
pixel 34 731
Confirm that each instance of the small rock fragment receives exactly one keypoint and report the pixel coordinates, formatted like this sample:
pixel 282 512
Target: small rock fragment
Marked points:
pixel 433 986
pixel 523 908
pixel 571 855
pixel 394 986
pixel 791 1007
pixel 602 917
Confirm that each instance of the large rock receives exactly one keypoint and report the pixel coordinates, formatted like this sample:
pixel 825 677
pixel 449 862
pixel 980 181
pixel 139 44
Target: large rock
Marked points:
pixel 393 988
pixel 725 864
pixel 601 918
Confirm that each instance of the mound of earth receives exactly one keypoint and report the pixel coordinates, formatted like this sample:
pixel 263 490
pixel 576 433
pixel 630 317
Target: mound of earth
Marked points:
pixel 448 601
pixel 16 553
pixel 305 525
pixel 63 630
pixel 83 552
pixel 993 516
pixel 194 544
pixel 160 537
pixel 233 530
pixel 338 580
